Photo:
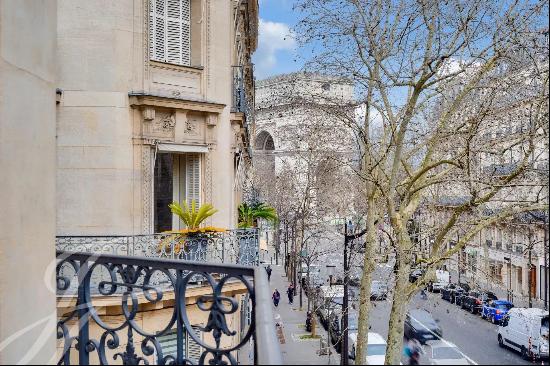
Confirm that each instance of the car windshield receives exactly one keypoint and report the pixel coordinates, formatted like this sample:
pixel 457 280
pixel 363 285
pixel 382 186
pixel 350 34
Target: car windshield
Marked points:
pixel 446 353
pixel 376 350
pixel 422 320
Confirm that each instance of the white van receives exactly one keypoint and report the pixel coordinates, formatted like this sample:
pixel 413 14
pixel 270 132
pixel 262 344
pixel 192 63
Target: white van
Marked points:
pixel 443 278
pixel 525 330
pixel 376 349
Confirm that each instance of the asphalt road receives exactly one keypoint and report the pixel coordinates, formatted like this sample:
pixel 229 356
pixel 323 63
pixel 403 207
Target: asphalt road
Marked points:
pixel 475 337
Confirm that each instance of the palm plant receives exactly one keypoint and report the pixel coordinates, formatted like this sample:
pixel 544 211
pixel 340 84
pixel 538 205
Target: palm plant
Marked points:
pixel 192 216
pixel 248 215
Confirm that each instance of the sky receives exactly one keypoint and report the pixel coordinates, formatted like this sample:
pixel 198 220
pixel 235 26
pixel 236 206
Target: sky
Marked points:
pixel 277 49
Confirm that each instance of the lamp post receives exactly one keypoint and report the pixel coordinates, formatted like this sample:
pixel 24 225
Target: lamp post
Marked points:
pixel 509 260
pixel 330 271
pixel 349 236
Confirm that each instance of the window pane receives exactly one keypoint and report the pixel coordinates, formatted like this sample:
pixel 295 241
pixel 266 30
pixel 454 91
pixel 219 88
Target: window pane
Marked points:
pixel 164 192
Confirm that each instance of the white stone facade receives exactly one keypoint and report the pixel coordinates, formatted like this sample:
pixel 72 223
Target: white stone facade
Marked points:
pixel 119 111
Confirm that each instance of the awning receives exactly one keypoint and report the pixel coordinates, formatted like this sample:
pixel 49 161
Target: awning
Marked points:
pixel 182 148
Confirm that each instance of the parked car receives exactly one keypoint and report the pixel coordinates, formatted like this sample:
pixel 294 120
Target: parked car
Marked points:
pixel 326 310
pixel 525 330
pixel 378 291
pixel 452 291
pixel 460 294
pixel 420 325
pixel 415 274
pixel 496 310
pixel 474 301
pixel 376 349
pixel 446 292
pixel 443 278
pixel 336 327
pixel 444 353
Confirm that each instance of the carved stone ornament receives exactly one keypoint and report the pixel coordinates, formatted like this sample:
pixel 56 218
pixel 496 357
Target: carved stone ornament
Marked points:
pixel 164 123
pixel 191 128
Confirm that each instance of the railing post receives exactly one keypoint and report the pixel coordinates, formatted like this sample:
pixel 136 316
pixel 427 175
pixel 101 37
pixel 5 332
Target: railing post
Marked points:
pixel 180 326
pixel 83 313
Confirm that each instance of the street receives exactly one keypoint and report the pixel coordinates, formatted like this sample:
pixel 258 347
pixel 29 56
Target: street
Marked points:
pixel 476 338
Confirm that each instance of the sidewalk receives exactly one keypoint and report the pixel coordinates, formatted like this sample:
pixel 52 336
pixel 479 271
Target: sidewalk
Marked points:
pixel 297 351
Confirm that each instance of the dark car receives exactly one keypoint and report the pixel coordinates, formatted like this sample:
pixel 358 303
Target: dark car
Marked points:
pixel 336 327
pixel 415 274
pixel 446 292
pixel 420 325
pixel 453 291
pixel 475 300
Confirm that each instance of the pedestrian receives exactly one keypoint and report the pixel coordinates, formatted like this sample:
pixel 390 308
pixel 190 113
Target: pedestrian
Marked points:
pixel 276 297
pixel 290 293
pixel 412 351
pixel 268 270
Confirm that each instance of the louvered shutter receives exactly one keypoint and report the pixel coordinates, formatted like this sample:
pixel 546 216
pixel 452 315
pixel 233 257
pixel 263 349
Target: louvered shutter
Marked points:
pixel 193 178
pixel 169 344
pixel 170 31
pixel 193 350
pixel 157 30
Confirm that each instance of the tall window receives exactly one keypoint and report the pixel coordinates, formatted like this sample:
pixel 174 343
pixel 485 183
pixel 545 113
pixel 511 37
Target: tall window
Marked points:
pixel 170 31
pixel 177 179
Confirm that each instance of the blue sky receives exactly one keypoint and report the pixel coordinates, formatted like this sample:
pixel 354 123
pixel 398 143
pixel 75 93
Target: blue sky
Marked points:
pixel 277 49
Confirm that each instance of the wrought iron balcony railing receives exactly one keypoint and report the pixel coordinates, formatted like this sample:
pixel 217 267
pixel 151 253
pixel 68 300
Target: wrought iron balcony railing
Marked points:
pixel 136 284
pixel 240 246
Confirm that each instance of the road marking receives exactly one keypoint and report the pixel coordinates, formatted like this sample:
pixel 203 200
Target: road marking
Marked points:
pixel 450 344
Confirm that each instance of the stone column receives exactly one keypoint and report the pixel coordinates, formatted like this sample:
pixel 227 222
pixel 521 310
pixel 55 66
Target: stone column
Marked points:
pixel 27 181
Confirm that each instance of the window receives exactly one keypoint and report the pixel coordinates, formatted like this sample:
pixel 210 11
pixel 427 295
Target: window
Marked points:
pixel 170 31
pixel 191 349
pixel 177 179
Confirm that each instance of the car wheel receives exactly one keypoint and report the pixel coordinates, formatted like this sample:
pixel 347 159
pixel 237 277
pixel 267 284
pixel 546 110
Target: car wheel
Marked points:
pixel 500 341
pixel 493 320
pixel 483 315
pixel 473 310
pixel 524 353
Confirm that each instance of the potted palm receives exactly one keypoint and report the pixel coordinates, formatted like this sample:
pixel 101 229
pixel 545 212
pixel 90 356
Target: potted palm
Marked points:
pixel 249 214
pixel 192 217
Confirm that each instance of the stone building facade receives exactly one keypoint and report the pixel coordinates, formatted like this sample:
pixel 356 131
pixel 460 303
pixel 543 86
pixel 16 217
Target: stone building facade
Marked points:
pixel 151 111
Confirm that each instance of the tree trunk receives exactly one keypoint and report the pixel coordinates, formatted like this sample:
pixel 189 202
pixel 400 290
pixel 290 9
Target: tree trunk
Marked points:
pixel 398 310
pixel 366 280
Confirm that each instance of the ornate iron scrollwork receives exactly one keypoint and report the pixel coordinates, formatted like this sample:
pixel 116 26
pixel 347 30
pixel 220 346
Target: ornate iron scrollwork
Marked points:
pixel 127 281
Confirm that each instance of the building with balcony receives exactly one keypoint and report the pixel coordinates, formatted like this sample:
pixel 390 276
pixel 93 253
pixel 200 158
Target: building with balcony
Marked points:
pixel 110 111
pixel 148 111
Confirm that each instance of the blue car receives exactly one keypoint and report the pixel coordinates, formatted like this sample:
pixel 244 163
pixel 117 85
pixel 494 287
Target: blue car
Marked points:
pixel 496 310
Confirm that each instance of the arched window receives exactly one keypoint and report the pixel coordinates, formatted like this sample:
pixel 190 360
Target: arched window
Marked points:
pixel 264 141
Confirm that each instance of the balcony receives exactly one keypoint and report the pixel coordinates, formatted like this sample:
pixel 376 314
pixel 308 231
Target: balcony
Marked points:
pixel 152 299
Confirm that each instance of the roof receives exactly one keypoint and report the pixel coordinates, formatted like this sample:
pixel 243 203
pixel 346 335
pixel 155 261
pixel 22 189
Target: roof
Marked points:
pixel 375 338
pixel 502 302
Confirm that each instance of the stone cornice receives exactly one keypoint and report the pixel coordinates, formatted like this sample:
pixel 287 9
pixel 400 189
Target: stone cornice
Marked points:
pixel 143 99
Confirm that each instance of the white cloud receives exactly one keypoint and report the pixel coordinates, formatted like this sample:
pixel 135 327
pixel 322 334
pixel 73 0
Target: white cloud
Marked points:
pixel 273 37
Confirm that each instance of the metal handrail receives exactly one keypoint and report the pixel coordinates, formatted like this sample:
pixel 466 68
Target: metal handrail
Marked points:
pixel 238 246
pixel 133 275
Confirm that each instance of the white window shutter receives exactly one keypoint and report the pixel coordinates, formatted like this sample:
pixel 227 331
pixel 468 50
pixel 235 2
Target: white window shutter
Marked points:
pixel 186 32
pixel 170 31
pixel 157 30
pixel 194 351
pixel 193 177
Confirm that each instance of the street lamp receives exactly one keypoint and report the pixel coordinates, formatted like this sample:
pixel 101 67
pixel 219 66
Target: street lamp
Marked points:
pixel 509 260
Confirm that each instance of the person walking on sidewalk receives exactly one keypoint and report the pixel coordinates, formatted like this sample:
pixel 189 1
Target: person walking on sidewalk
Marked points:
pixel 268 270
pixel 276 297
pixel 290 293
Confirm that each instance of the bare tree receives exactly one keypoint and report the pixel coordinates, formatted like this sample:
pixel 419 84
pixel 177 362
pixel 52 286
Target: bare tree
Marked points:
pixel 434 77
